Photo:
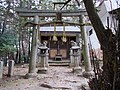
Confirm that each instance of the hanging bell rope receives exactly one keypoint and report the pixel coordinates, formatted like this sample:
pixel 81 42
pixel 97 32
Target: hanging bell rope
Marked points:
pixel 54 36
pixel 64 39
pixel 63 29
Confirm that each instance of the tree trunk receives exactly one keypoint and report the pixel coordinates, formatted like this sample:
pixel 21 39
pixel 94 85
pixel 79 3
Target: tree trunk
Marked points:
pixel 118 61
pixel 6 17
pixel 109 61
pixel 19 54
pixel 23 50
pixel 29 44
pixel 96 22
pixel 108 44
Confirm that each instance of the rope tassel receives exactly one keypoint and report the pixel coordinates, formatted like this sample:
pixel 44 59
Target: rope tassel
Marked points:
pixel 54 36
pixel 64 39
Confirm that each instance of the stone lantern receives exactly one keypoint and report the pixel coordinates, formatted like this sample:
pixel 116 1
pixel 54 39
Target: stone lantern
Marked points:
pixel 75 56
pixel 43 55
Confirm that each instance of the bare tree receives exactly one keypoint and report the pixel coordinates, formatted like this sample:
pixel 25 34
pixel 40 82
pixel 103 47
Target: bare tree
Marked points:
pixel 109 78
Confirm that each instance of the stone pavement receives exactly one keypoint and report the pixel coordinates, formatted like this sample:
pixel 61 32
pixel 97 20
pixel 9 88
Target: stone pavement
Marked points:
pixel 57 78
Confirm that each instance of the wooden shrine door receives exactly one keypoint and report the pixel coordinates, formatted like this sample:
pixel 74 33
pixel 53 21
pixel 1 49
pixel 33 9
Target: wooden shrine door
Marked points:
pixel 58 48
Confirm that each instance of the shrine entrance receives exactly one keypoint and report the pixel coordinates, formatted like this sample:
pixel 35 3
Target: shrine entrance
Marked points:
pixel 58 39
pixel 58 50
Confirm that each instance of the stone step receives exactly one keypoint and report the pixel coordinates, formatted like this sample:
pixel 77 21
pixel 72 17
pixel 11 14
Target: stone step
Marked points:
pixel 59 63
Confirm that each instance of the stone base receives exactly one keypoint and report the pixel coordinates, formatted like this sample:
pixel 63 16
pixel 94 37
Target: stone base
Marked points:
pixel 30 75
pixel 77 70
pixel 85 86
pixel 88 74
pixel 71 65
pixel 40 65
pixel 42 70
pixel 46 65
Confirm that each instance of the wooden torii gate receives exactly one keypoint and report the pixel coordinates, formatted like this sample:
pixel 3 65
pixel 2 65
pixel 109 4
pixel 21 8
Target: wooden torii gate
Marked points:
pixel 53 13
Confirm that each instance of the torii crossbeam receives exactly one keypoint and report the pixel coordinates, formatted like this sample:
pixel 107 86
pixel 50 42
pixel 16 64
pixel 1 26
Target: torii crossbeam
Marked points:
pixel 49 13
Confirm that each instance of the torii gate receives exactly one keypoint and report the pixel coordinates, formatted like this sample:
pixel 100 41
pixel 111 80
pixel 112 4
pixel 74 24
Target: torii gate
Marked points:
pixel 53 13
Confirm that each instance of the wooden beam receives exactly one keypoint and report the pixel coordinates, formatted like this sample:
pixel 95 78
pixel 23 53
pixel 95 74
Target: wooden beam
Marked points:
pixel 59 33
pixel 49 13
pixel 58 22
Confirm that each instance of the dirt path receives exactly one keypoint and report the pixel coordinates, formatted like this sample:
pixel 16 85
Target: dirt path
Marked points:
pixel 57 78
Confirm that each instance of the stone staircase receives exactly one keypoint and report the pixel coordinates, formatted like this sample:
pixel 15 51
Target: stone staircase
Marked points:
pixel 59 62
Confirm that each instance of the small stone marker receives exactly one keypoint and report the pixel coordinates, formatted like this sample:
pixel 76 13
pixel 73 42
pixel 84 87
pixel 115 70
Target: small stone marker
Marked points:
pixel 1 69
pixel 10 68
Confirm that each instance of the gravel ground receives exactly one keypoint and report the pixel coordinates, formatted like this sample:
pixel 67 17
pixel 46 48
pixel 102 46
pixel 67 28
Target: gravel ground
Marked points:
pixel 57 78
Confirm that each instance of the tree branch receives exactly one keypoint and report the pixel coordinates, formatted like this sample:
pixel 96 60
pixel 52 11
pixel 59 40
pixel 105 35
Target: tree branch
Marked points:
pixel 96 22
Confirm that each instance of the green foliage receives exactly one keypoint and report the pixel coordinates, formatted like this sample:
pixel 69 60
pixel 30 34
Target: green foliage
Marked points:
pixel 7 49
pixel 7 42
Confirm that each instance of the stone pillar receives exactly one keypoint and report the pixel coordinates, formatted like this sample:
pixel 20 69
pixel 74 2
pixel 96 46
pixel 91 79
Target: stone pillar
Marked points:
pixel 88 70
pixel 43 61
pixel 38 58
pixel 71 59
pixel 1 69
pixel 10 68
pixel 32 64
pixel 79 40
pixel 47 57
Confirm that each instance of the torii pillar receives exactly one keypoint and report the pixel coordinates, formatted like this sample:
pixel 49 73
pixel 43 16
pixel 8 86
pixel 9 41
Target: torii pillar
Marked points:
pixel 32 64
pixel 88 69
